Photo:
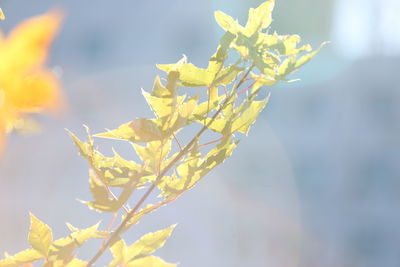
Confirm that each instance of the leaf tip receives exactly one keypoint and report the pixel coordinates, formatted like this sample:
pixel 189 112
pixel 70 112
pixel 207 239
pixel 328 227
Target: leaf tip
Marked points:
pixel 69 132
pixel 2 17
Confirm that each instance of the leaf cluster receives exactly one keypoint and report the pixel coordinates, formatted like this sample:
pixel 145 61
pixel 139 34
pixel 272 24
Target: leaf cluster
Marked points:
pixel 247 59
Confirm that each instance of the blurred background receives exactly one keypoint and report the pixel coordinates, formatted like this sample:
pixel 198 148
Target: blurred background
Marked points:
pixel 316 183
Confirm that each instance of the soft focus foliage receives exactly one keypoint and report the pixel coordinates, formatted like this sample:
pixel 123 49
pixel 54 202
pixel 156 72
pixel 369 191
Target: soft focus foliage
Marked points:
pixel 138 254
pixel 57 252
pixel 247 59
pixel 26 85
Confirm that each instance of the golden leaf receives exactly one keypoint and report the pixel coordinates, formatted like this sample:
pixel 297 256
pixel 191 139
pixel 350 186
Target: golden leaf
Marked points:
pixel 26 85
pixel 2 17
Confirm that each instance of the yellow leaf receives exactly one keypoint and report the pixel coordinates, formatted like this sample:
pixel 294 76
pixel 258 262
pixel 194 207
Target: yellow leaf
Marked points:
pixel 160 90
pixel 40 236
pixel 114 171
pixel 187 108
pixel 28 255
pixel 161 106
pixel 291 64
pixel 102 201
pixel 218 125
pixel 146 130
pixel 8 262
pixel 259 18
pixel 150 261
pixel 62 249
pixel 42 92
pixel 2 17
pixel 217 60
pixel 151 154
pixel 141 249
pixel 189 74
pixel 119 251
pixel 29 41
pixel 227 22
pixel 228 74
pixel 246 118
pixel 189 172
pixel 137 131
pixel 262 80
pixel 221 124
pixel 306 58
pixel 289 45
pixel 149 243
pixel 76 263
pixel 26 86
pixel 23 257
pixel 218 154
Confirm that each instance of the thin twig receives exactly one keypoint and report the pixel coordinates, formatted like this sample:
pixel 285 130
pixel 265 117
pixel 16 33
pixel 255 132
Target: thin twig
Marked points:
pixel 161 157
pixel 110 224
pixel 115 197
pixel 246 89
pixel 211 142
pixel 177 141
pixel 226 91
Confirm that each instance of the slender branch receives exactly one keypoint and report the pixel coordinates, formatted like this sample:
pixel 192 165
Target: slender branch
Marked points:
pixel 115 197
pixel 97 174
pixel 244 77
pixel 178 157
pixel 225 91
pixel 208 105
pixel 161 157
pixel 246 89
pixel 177 141
pixel 110 224
pixel 211 142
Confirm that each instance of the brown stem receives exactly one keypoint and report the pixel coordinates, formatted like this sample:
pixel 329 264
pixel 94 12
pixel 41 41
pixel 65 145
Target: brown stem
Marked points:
pixel 161 157
pixel 177 141
pixel 208 105
pixel 244 77
pixel 110 224
pixel 246 89
pixel 226 91
pixel 115 197
pixel 178 157
pixel 211 142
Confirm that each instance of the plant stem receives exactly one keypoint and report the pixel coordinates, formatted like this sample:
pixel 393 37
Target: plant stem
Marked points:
pixel 162 173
